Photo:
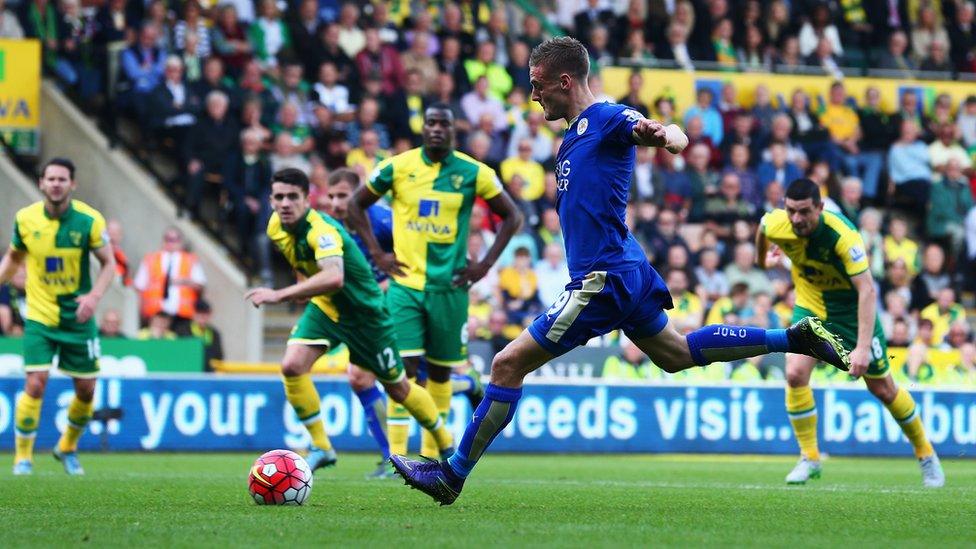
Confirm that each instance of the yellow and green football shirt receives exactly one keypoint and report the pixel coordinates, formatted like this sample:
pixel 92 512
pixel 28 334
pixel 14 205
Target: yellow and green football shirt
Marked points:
pixel 316 237
pixel 823 263
pixel 58 260
pixel 431 204
pixel 942 320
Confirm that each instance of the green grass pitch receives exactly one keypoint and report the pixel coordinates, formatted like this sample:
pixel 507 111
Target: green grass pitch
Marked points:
pixel 192 500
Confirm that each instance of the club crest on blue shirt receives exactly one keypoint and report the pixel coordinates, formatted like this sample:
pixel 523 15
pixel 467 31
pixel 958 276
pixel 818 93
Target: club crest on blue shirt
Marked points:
pixel 581 126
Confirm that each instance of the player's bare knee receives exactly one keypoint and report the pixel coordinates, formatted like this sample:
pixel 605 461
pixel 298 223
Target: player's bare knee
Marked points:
pixel 505 368
pixel 359 380
pixel 85 389
pixel 797 378
pixel 398 391
pixel 291 367
pixel 885 392
pixel 35 384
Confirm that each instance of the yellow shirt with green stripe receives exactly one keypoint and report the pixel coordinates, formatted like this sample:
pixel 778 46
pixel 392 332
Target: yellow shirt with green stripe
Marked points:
pixel 942 320
pixel 431 203
pixel 58 260
pixel 316 237
pixel 823 263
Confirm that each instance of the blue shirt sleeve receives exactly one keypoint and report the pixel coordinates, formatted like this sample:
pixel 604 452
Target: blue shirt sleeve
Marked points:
pixel 381 217
pixel 618 126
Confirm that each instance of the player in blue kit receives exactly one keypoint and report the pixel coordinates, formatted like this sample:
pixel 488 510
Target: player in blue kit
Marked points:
pixel 612 285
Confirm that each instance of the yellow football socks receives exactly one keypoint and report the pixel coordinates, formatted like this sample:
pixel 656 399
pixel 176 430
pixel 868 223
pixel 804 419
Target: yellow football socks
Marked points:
pixel 304 398
pixel 27 414
pixel 79 414
pixel 397 427
pixel 421 405
pixel 903 409
pixel 802 409
pixel 441 392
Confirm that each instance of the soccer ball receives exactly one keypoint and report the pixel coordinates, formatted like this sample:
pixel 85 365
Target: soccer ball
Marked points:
pixel 280 477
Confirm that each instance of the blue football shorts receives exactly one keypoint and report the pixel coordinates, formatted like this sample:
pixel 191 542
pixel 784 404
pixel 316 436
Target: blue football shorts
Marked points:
pixel 633 301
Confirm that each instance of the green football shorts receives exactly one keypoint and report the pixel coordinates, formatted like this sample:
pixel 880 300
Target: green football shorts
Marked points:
pixel 371 341
pixel 846 329
pixel 77 350
pixel 432 323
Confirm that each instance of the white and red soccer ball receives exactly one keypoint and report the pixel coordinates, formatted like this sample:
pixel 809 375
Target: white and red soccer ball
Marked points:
pixel 280 477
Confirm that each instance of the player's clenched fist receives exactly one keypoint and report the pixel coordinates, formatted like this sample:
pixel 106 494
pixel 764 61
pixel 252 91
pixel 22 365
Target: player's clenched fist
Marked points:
pixel 651 133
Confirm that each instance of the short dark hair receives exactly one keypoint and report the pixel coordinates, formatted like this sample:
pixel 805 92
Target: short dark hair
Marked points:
pixel 291 176
pixel 344 174
pixel 562 54
pixel 439 106
pixel 739 288
pixel 59 161
pixel 802 189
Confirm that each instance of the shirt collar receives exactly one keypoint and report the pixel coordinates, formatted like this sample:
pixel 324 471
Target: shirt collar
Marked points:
pixel 447 159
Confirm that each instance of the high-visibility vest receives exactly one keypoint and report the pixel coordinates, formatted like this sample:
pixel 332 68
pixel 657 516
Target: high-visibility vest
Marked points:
pixel 152 297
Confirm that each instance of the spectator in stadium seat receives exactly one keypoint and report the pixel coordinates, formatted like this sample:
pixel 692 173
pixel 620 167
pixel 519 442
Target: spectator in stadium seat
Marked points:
pixel 943 313
pixel 637 49
pixel 247 180
pixel 367 117
pixel 551 273
pixel 122 268
pixel 937 59
pixel 703 183
pixel 895 58
pixel 789 61
pixel 753 55
pixel 443 92
pixel 932 279
pixel 962 37
pixel 695 131
pixel 331 94
pixel 533 130
pixel 875 136
pixel 9 26
pixel 405 109
pixel 208 147
pixel 739 164
pixel 192 22
pixel 763 113
pixel 773 196
pixel 678 257
pixel 817 27
pixel 496 32
pixel 479 146
pixel 712 125
pixel 213 78
pixel 897 245
pixel 899 337
pixel 599 49
pixel 174 109
pixel 286 155
pixel 712 282
pixel 688 311
pixel 520 288
pixel 809 133
pixel 950 200
pixel 896 310
pixel 645 186
pixel 946 149
pixel 531 171
pixel 589 17
pixel 635 84
pixel 909 166
pixel 453 27
pixel 110 325
pixel 269 35
pixel 497 324
pixel 291 125
pixel 850 198
pixel 230 40
pixel 677 46
pixel 158 327
pixel 910 108
pixel 170 280
pixel 532 34
pixel 777 169
pixel 741 129
pixel 304 25
pixel 202 329
pixel 364 158
pixel 722 52
pixel 484 65
pixel 549 231
pixel 928 30
pixel 743 269
pixel 722 210
pixel 630 364
pixel 328 50
pixel 478 102
pixel 418 60
pixel 450 62
pixel 870 229
pixel 143 65
pixel 661 235
pixel 966 122
pixel 116 23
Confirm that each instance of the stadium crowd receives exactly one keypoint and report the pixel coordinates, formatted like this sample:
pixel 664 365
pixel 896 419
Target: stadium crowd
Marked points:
pixel 235 90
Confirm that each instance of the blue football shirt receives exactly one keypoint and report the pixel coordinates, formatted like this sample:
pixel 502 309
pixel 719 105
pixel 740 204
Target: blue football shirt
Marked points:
pixel 594 167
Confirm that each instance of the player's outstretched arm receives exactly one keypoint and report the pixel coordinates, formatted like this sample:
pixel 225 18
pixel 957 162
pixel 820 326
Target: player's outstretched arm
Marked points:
pixel 651 133
pixel 89 302
pixel 11 261
pixel 503 206
pixel 358 221
pixel 329 279
pixel 762 247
